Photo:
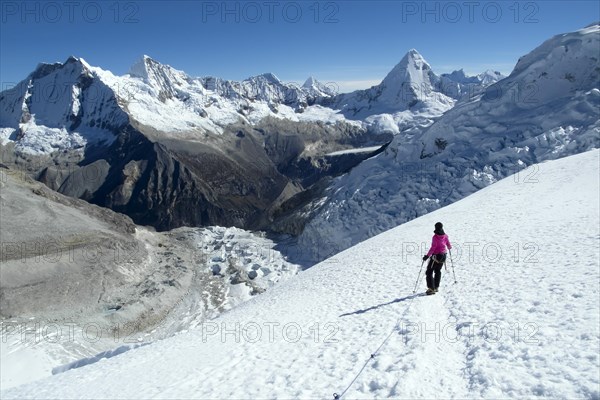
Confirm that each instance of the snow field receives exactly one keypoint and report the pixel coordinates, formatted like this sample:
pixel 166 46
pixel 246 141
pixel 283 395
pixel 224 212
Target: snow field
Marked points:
pixel 365 293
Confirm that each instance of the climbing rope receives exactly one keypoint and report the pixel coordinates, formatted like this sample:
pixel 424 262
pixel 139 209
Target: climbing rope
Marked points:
pixel 337 396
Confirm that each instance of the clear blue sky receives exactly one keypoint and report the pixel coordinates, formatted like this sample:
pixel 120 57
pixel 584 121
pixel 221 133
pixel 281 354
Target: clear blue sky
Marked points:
pixel 352 42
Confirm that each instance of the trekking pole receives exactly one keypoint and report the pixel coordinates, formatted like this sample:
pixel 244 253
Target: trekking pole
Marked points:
pixel 417 282
pixel 452 262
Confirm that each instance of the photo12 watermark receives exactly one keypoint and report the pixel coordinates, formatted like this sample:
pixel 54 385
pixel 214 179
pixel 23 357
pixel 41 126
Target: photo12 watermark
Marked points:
pixel 480 252
pixel 453 332
pixel 66 250
pixel 470 11
pixel 53 12
pixel 36 332
pixel 253 12
pixel 269 332
pixel 427 171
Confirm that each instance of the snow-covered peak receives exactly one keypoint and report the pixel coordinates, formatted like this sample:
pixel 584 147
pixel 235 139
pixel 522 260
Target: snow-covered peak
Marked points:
pixel 412 59
pixel 461 77
pixel 310 82
pixel 165 79
pixel 268 77
pixel 457 76
pixel 560 67
pixel 489 77
pixel 409 83
pixel 485 78
pixel 412 69
pixel 60 106
pixel 152 94
pixel 139 68
pixel 552 91
pixel 78 61
pixel 71 66
pixel 459 85
pixel 410 88
pixel 145 66
pixel 315 87
pixel 413 55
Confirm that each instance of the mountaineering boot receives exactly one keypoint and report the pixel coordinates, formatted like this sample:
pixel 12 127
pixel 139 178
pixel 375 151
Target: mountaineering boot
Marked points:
pixel 435 290
pixel 430 291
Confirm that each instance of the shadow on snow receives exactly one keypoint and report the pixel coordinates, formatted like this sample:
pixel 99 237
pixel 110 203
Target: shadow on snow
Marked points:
pixel 399 300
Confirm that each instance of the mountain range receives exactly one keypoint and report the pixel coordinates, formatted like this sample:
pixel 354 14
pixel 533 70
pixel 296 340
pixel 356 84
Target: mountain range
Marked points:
pixel 170 150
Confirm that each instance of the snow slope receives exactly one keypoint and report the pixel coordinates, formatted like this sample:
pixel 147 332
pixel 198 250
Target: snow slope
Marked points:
pixel 522 321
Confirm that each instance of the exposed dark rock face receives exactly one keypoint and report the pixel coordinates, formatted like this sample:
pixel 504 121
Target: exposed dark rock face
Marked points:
pixel 171 184
pixel 239 178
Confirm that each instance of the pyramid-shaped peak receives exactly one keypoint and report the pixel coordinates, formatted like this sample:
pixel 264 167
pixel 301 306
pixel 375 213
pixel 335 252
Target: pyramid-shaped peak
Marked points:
pixel 412 59
pixel 72 59
pixel 414 53
pixel 77 60
pixel 72 63
pixel 410 68
pixel 317 87
pixel 146 59
pixel 165 79
pixel 149 69
pixel 142 65
pixel 413 56
pixel 310 82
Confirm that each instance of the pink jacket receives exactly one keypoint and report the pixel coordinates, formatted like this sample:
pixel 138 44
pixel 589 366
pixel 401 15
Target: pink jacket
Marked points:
pixel 439 244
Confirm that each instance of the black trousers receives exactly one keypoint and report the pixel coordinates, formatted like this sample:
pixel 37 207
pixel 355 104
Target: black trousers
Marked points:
pixel 436 262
